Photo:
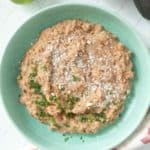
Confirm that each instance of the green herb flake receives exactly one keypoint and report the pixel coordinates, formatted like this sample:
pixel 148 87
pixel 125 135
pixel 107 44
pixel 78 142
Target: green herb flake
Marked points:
pixel 53 98
pixel 33 73
pixel 83 141
pixel 33 84
pixel 70 102
pixel 42 102
pixel 67 125
pixel 62 89
pixel 36 86
pixel 120 115
pixel 70 115
pixel 81 138
pixel 19 77
pixel 82 118
pixel 66 138
pixel 75 78
pixel 41 112
pixel 100 117
pixel 53 122
pixel 43 68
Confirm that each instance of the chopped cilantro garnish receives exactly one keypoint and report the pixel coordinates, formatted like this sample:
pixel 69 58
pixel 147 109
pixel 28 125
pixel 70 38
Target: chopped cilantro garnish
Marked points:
pixel 43 68
pixel 75 78
pixel 70 115
pixel 33 73
pixel 41 112
pixel 36 86
pixel 33 84
pixel 72 98
pixel 67 125
pixel 120 115
pixel 53 122
pixel 66 138
pixel 62 89
pixel 92 117
pixel 70 102
pixel 81 138
pixel 82 118
pixel 53 98
pixel 100 117
pixel 42 102
pixel 58 104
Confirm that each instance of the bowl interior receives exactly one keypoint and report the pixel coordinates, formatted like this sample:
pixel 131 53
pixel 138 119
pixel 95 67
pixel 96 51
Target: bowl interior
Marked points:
pixel 137 102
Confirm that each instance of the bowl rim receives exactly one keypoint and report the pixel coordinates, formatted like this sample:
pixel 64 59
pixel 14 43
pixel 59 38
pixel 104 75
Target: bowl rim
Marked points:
pixel 59 5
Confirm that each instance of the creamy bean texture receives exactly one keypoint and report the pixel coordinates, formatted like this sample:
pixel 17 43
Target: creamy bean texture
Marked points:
pixel 75 77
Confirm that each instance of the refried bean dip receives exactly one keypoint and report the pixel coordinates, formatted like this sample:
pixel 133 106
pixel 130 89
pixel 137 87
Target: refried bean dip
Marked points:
pixel 75 78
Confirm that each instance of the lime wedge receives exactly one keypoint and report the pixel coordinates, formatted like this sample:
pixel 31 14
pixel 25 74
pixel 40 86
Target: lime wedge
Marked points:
pixel 22 1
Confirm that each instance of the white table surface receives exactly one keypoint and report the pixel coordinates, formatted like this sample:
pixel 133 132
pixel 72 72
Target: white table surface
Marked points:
pixel 12 16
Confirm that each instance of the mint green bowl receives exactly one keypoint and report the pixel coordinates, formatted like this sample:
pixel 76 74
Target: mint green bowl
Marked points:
pixel 137 103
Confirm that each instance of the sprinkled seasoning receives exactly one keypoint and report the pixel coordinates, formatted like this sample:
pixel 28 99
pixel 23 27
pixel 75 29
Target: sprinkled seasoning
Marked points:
pixel 75 78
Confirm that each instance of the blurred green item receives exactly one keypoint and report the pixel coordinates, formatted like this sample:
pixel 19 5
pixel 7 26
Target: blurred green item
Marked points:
pixel 22 1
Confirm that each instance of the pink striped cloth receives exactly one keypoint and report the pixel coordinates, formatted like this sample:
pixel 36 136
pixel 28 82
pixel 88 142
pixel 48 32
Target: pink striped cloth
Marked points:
pixel 140 137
